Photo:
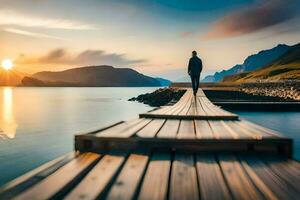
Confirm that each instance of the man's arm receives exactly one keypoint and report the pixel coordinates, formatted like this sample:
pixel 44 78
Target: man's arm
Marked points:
pixel 201 65
pixel 189 67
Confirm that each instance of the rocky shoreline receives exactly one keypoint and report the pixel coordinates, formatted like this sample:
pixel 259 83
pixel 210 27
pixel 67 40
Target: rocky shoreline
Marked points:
pixel 250 92
pixel 289 90
pixel 160 97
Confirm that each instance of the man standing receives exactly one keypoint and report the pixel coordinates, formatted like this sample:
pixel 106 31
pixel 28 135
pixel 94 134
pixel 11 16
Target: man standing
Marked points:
pixel 194 70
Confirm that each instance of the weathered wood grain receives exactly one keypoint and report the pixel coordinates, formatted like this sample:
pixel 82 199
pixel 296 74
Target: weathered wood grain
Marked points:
pixel 203 129
pixel 151 129
pixel 186 129
pixel 156 180
pixel 238 181
pixel 95 182
pixel 169 129
pixel 126 130
pixel 60 179
pixel 275 183
pixel 183 183
pixel 211 182
pixel 126 184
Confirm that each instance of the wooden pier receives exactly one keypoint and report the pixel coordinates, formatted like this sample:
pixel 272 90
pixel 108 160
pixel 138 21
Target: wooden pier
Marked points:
pixel 190 150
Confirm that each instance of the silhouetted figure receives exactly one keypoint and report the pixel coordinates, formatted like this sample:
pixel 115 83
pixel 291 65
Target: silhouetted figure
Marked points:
pixel 194 70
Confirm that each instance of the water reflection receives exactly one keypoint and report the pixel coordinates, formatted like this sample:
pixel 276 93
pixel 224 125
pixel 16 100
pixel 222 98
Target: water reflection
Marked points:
pixel 8 124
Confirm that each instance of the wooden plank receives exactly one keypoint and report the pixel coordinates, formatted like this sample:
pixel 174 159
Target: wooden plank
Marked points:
pixel 126 131
pixel 203 129
pixel 283 169
pixel 232 131
pixel 200 109
pixel 183 183
pixel 188 117
pixel 267 131
pixel 151 129
pixel 169 141
pixel 93 131
pixel 118 128
pixel 257 180
pixel 252 130
pixel 200 93
pixel 193 108
pixel 275 183
pixel 184 106
pixel 95 182
pixel 31 178
pixel 295 164
pixel 180 104
pixel 186 129
pixel 236 131
pixel 169 109
pixel 59 180
pixel 215 108
pixel 187 106
pixel 126 185
pixel 211 182
pixel 161 110
pixel 206 109
pixel 156 181
pixel 238 181
pixel 169 129
pixel 210 108
pixel 246 132
pixel 220 132
pixel 35 172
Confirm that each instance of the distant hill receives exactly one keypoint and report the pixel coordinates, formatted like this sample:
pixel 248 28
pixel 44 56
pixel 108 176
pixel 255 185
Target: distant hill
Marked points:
pixel 286 67
pixel 101 76
pixel 253 62
pixel 11 77
pixel 163 82
pixel 29 81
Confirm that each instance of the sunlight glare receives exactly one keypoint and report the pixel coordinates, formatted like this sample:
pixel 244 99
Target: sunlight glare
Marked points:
pixel 7 64
pixel 8 124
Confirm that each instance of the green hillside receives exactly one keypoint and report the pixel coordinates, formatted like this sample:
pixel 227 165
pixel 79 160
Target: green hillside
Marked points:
pixel 287 67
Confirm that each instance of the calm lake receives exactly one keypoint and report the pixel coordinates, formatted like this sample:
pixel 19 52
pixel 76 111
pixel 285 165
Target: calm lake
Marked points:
pixel 38 124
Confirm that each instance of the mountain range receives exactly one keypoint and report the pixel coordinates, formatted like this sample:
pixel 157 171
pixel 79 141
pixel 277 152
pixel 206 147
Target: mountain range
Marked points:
pixel 90 76
pixel 251 63
pixel 286 67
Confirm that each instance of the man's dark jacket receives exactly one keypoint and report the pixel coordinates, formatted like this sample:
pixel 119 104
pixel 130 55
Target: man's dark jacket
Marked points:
pixel 195 66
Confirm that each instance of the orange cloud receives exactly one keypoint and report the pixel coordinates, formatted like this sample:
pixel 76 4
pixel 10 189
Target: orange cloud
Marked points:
pixel 87 57
pixel 261 15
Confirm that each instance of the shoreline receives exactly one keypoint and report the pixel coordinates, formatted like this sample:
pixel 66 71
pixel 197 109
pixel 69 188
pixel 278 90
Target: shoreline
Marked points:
pixel 230 98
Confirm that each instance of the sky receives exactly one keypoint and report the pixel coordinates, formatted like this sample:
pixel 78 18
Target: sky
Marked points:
pixel 154 37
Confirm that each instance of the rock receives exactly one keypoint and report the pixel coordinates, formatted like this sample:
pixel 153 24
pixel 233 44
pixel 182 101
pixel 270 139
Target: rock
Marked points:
pixel 159 97
pixel 289 90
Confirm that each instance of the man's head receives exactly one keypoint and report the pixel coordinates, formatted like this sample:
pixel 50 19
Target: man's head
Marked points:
pixel 194 53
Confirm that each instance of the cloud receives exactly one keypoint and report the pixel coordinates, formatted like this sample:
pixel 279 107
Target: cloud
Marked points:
pixel 55 56
pixel 11 17
pixel 260 15
pixel 31 34
pixel 88 57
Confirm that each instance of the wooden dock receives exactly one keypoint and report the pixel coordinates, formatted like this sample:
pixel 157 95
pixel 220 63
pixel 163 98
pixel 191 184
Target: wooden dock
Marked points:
pixel 190 150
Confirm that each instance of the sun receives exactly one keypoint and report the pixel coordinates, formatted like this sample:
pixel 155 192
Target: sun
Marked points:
pixel 7 64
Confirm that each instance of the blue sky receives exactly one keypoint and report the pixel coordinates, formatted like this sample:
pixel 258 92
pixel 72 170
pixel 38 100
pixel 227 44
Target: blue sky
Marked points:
pixel 154 37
